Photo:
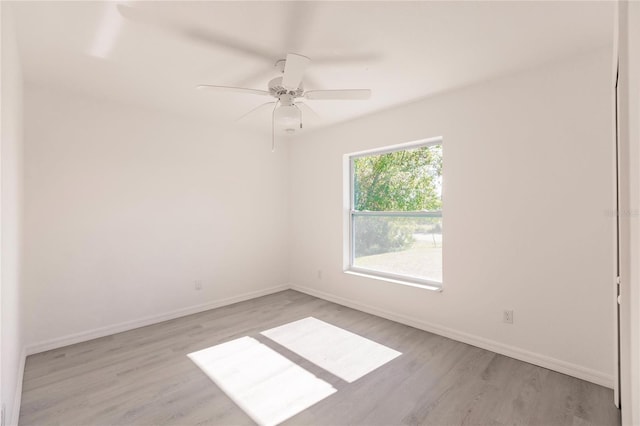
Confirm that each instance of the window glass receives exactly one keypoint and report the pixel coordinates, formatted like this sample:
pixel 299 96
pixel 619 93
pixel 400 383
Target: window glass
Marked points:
pixel 396 215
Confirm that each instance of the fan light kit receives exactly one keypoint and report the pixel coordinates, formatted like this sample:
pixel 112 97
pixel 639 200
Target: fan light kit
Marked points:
pixel 287 111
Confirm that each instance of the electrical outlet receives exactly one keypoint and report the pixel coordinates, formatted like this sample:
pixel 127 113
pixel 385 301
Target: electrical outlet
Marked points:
pixel 197 285
pixel 507 317
pixel 319 274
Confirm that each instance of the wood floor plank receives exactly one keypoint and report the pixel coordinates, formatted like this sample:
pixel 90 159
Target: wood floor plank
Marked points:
pixel 144 377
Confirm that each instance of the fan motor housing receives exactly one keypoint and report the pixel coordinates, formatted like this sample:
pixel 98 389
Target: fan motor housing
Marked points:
pixel 277 89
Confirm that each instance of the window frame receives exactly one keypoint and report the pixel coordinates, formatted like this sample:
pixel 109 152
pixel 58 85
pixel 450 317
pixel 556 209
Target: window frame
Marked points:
pixel 350 268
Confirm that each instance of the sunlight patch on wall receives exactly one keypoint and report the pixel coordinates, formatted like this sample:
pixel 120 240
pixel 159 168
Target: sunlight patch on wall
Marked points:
pixel 338 351
pixel 265 384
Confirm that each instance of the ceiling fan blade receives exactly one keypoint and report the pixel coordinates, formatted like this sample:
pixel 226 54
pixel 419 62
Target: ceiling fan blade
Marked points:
pixel 235 89
pixel 352 58
pixel 308 111
pixel 219 40
pixel 255 109
pixel 157 18
pixel 299 20
pixel 346 94
pixel 256 77
pixel 294 68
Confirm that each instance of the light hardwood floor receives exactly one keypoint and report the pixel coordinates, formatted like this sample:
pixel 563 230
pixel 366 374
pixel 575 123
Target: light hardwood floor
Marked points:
pixel 143 377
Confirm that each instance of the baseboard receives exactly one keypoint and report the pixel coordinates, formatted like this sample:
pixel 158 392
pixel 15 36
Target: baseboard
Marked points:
pixel 142 322
pixel 491 345
pixel 560 366
pixel 17 397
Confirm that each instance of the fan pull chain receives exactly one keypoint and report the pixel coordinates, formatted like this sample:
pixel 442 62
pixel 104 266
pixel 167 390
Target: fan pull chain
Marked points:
pixel 300 111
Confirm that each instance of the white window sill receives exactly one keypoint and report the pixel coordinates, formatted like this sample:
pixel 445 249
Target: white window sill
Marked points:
pixel 431 286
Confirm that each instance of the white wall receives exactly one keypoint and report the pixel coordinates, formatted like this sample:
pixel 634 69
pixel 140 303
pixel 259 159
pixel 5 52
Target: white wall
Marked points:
pixel 125 208
pixel 528 223
pixel 629 152
pixel 633 399
pixel 11 354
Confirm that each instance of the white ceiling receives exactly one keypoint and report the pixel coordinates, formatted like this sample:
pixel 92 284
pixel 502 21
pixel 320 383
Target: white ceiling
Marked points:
pixel 401 50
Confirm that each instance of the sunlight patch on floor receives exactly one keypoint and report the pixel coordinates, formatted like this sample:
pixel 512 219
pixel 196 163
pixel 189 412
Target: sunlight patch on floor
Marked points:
pixel 338 351
pixel 265 384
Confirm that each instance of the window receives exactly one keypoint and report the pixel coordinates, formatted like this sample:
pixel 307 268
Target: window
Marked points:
pixel 395 215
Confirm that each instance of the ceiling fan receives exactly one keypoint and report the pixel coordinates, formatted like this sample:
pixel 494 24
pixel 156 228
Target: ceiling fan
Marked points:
pixel 288 90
